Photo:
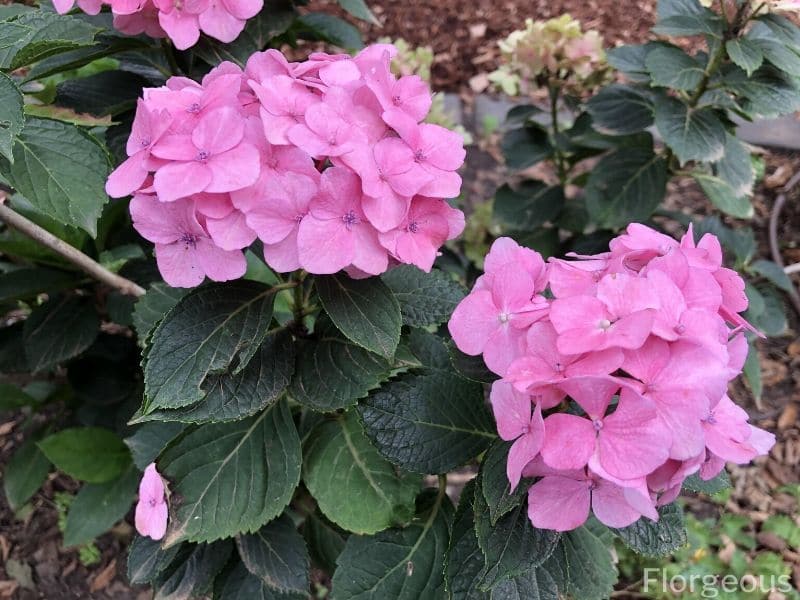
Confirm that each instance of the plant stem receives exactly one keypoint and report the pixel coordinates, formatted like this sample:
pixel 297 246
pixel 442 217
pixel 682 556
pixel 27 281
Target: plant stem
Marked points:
pixel 559 158
pixel 73 255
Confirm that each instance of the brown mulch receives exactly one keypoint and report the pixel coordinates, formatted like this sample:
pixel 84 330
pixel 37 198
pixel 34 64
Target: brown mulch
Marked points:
pixel 464 35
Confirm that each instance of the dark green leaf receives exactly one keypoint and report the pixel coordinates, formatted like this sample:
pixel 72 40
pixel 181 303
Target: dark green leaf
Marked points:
pixel 687 17
pixel 630 59
pixel 752 371
pixel 11 117
pixel 147 559
pixel 213 330
pixel 723 196
pixel 24 474
pixel 470 367
pixel 230 478
pixel 529 206
pixel 401 564
pixel 745 54
pixel 332 29
pixel 534 584
pixel 152 307
pixel 325 541
pixel 277 555
pixel 12 349
pixel 98 506
pixel 91 454
pixel 693 134
pixel 150 439
pixel 364 310
pixel 526 146
pixel 428 423
pixel 736 167
pixel 621 109
pixel 625 186
pixel 777 52
pixel 520 114
pixel 770 317
pixel 13 398
pixel 721 482
pixel 582 564
pixel 237 583
pixel 61 170
pixel 495 487
pixel 192 571
pixel 101 94
pixel 425 298
pixel 671 67
pixel 58 330
pixel 512 545
pixel 660 538
pixel 232 397
pixel 769 93
pixel 376 495
pixel 360 10
pixel 25 283
pixel 464 562
pixel 773 273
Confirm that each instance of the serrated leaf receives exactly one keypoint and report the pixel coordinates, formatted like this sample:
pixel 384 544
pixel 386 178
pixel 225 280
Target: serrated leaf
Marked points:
pixel 464 562
pixel 376 495
pixel 237 583
pixel 621 109
pixel 325 541
pixel 107 93
pixel 656 538
pixel 535 584
pixel 232 397
pixel 773 273
pixel 425 298
pixel 495 487
pixel 429 422
pixel 91 454
pixel 402 564
pixel 581 565
pixel 630 59
pixel 745 54
pixel 12 119
pixel 777 52
pixel 529 206
pixel 152 307
pixel 147 559
pixel 736 167
pixel 692 133
pixel 277 555
pixel 229 478
pixel 687 17
pixel 191 573
pixel 332 29
pixel 24 474
pixel 626 186
pixel 58 330
pixel 512 545
pixel 213 330
pixel 61 170
pixel 150 439
pixel 769 93
pixel 525 146
pixel 470 367
pixel 364 310
pixel 98 506
pixel 724 197
pixel 671 67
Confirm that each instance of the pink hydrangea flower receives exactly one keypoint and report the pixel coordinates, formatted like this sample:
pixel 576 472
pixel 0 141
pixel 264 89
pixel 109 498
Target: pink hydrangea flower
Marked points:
pixel 151 509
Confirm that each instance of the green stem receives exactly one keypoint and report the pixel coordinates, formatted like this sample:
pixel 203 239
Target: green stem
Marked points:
pixel 711 69
pixel 559 157
pixel 442 487
pixel 299 300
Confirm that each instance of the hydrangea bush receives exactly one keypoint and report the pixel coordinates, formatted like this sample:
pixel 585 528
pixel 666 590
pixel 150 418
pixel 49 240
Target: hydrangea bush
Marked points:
pixel 273 356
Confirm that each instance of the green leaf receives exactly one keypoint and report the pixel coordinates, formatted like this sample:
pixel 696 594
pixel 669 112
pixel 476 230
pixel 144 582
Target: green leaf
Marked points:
pixel 425 298
pixel 687 17
pixel 782 29
pixel 736 167
pixel 656 538
pixel 24 474
pixel 526 146
pixel 277 555
pixel 91 454
pixel 237 583
pixel 332 373
pixel 745 54
pixel 512 545
pixel 621 109
pixel 535 584
pixel 61 170
pixel 464 561
pixel 719 483
pixel 671 67
pixel 584 563
pixel 98 506
pixel 784 527
pixel 376 495
pixel 773 273
pixel 630 59
pixel 752 371
pixel 360 10
pixel 35 35
pixel 496 489
pixel 768 92
pixel 626 186
pixel 428 423
pixel 12 118
pixel 147 559
pixel 13 398
pixel 325 541
pixel 723 196
pixel 153 306
pixel 470 367
pixel 529 206
pixel 777 52
pixel 234 477
pixel 232 397
pixel 192 571
pixel 402 564
pixel 101 94
pixel 364 310
pixel 213 330
pixel 58 330
pixel 334 30
pixel 770 318
pixel 692 133
pixel 150 439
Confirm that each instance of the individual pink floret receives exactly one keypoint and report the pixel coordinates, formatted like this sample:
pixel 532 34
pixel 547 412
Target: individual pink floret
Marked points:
pixel 151 509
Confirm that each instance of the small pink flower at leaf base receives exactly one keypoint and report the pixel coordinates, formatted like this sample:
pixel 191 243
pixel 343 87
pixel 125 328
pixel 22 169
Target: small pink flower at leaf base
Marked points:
pixel 151 509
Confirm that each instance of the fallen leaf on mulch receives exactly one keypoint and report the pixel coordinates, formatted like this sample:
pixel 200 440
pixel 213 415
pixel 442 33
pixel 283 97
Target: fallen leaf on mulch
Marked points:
pixel 21 572
pixel 7 588
pixel 104 577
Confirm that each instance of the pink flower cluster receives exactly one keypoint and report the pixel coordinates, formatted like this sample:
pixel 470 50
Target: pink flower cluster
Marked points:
pixel 325 161
pixel 180 20
pixel 644 340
